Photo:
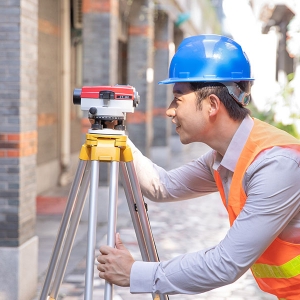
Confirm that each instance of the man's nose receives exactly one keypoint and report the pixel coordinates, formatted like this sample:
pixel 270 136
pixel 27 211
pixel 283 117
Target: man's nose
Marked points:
pixel 171 110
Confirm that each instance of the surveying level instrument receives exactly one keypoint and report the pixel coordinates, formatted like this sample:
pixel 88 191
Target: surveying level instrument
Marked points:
pixel 102 144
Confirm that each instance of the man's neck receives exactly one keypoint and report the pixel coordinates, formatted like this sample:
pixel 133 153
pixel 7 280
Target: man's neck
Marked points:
pixel 223 134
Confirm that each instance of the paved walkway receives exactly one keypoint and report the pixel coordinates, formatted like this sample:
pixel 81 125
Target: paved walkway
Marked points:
pixel 178 228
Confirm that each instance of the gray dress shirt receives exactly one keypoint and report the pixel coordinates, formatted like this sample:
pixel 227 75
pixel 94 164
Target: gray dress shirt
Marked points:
pixel 272 186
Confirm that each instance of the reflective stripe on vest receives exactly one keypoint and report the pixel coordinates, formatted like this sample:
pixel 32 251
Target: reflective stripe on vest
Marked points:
pixel 287 270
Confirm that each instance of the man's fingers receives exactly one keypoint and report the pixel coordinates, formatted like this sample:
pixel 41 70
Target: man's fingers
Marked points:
pixel 103 272
pixel 101 263
pixel 101 275
pixel 100 268
pixel 101 259
pixel 119 243
pixel 105 249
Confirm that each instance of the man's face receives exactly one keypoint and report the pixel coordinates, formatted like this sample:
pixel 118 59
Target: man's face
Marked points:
pixel 191 121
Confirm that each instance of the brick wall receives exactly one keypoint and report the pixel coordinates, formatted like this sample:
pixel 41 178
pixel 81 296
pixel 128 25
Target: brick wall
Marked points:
pixel 18 136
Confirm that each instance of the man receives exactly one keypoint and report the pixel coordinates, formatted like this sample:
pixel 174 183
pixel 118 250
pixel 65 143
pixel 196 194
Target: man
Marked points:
pixel 255 167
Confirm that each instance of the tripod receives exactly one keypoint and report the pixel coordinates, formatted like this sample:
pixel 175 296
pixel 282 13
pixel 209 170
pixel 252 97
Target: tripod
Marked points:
pixel 98 148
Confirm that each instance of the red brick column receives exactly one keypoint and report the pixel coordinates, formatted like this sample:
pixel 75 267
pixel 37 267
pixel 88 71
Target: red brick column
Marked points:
pixel 140 74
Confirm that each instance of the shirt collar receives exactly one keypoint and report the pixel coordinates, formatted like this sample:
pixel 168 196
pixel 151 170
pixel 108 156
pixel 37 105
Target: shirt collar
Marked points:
pixel 234 150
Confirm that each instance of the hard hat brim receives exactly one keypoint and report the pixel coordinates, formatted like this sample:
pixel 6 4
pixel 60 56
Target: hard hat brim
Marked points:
pixel 201 79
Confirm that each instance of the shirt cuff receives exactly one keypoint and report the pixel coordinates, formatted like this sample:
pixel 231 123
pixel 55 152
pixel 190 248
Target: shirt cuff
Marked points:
pixel 141 276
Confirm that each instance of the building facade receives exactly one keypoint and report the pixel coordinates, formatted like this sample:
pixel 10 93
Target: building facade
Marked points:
pixel 48 48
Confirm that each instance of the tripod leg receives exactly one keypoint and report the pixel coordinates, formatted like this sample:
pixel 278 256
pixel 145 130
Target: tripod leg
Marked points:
pixel 144 220
pixel 133 213
pixel 91 242
pixel 75 220
pixel 112 218
pixel 142 212
pixel 63 228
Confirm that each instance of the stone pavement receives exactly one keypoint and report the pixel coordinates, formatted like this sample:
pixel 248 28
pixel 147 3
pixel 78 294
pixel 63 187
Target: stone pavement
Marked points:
pixel 178 228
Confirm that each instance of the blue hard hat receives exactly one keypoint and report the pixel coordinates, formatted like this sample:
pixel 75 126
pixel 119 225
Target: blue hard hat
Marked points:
pixel 209 58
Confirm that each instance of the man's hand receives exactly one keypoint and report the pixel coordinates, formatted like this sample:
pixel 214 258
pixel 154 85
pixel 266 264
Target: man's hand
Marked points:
pixel 115 263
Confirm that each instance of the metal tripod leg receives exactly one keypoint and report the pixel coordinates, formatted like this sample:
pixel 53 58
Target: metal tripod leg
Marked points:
pixel 81 174
pixel 133 213
pixel 111 226
pixel 65 255
pixel 112 219
pixel 140 217
pixel 91 242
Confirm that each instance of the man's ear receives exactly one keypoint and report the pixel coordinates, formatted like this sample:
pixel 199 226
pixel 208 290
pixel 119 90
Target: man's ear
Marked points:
pixel 214 102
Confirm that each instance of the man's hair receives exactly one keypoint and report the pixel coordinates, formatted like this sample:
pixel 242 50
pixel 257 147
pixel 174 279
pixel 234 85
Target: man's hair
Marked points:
pixel 235 110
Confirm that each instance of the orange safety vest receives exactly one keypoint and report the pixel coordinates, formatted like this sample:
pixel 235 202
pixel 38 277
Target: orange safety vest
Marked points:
pixel 277 271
